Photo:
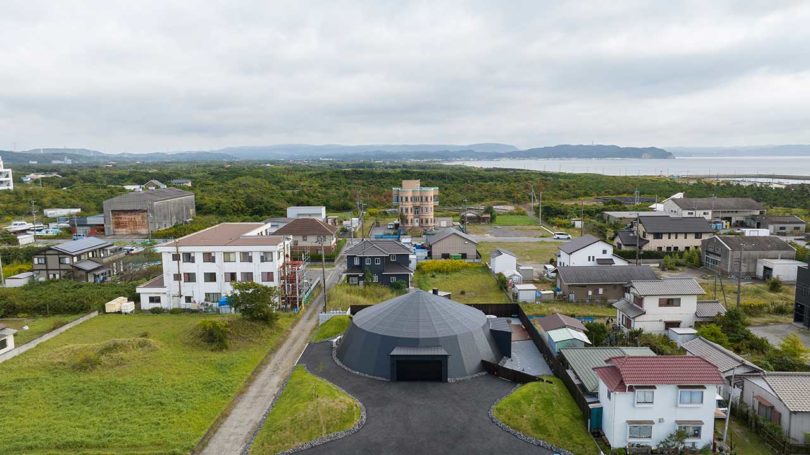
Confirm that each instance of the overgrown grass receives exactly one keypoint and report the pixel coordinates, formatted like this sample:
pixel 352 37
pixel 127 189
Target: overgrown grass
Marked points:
pixel 344 295
pixel 569 309
pixel 744 440
pixel 474 285
pixel 308 408
pixel 530 252
pixel 755 299
pixel 138 383
pixel 515 220
pixel 331 328
pixel 546 411
pixel 37 326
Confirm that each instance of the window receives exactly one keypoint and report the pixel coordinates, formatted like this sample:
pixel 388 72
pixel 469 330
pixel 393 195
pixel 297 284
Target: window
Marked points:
pixel 212 297
pixel 690 397
pixel 229 257
pixel 639 432
pixel 658 236
pixel 176 277
pixel 245 256
pixel 692 431
pixel 375 279
pixel 698 235
pixel 209 277
pixel 352 280
pixel 64 259
pixel 39 260
pixel 230 276
pixel 208 257
pixel 356 260
pixel 247 276
pixel 175 257
pixel 368 261
pixel 669 301
pixel 188 257
pixel 303 238
pixel 604 251
pixel 392 258
pixel 645 397
pixel 190 277
pixel 266 257
pixel 377 261
pixel 393 279
pixel 600 291
pixel 188 299
pixel 154 299
pixel 267 277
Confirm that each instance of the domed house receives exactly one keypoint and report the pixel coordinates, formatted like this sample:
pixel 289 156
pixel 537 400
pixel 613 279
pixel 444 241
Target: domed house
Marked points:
pixel 418 336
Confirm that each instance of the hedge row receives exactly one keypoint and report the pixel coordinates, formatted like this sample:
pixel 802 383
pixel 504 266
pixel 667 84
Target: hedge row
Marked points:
pixel 60 297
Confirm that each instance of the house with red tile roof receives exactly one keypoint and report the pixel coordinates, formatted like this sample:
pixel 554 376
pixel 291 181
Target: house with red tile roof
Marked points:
pixel 647 398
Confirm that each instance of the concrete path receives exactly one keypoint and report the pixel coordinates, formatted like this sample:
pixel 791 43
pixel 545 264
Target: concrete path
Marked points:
pixel 238 428
pixel 37 341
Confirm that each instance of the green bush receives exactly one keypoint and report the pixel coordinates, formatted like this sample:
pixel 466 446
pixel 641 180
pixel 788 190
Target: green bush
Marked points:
pixel 60 297
pixel 502 281
pixel 775 285
pixel 156 310
pixel 176 311
pixel 397 286
pixel 213 333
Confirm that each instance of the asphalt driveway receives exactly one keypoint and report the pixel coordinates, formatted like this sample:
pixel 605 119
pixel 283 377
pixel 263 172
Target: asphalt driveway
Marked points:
pixel 418 417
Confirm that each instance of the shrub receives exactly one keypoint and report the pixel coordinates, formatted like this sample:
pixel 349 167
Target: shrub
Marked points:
pixel 176 311
pixel 660 344
pixel 156 310
pixel 445 266
pixel 597 332
pixel 503 282
pixel 775 285
pixel 213 333
pixel 255 301
pixel 398 286
pixel 713 332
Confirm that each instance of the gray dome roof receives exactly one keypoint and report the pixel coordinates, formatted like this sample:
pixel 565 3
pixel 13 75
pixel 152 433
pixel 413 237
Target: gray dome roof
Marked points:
pixel 420 314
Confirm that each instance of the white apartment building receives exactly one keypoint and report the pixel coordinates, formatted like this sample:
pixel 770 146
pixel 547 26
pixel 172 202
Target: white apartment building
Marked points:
pixel 6 179
pixel 307 211
pixel 647 398
pixel 200 268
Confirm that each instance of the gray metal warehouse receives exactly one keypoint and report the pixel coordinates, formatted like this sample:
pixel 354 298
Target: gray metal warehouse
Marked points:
pixel 418 336
pixel 142 212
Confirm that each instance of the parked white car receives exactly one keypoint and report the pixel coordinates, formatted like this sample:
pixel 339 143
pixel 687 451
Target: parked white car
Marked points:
pixel 562 236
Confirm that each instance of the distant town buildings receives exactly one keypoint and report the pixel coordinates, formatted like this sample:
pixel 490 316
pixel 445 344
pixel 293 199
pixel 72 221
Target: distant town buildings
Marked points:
pixel 89 260
pixel 416 203
pixel 6 178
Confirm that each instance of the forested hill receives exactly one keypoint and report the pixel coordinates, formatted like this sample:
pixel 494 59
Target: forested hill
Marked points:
pixel 303 152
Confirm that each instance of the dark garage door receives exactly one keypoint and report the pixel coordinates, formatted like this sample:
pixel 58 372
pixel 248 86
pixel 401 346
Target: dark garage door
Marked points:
pixel 419 370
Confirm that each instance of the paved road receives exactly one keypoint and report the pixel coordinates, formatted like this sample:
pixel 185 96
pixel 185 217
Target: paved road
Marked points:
pixel 419 417
pixel 237 430
pixel 776 333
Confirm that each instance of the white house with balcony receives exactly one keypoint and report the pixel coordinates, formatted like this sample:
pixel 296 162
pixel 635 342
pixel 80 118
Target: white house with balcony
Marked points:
pixel 587 250
pixel 6 178
pixel 200 268
pixel 647 398
pixel 657 305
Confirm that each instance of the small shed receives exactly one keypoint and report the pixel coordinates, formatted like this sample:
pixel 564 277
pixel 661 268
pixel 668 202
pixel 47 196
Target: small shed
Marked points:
pixel 525 292
pixel 681 335
pixel 20 279
pixel 6 338
pixel 784 269
pixel 546 295
pixel 527 272
pixel 566 337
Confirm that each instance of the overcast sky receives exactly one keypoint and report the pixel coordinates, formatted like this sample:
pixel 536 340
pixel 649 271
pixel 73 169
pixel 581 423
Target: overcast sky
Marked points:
pixel 124 76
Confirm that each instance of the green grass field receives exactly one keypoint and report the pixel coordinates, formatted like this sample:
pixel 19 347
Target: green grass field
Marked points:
pixel 743 440
pixel 344 295
pixel 331 328
pixel 308 408
pixel 762 306
pixel 533 252
pixel 569 309
pixel 474 285
pixel 127 384
pixel 515 220
pixel 546 411
pixel 37 326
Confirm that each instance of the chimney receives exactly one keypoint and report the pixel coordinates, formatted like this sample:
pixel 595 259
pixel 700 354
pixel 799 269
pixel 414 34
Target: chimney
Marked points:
pixel 435 291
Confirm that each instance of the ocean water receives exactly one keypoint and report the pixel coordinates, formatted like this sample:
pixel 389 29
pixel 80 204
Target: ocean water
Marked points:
pixel 683 166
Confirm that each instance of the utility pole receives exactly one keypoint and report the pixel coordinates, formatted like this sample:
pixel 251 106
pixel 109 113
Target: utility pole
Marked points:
pixel 322 240
pixel 540 207
pixel 2 278
pixel 34 214
pixel 730 400
pixel 581 218
pixel 739 273
pixel 638 242
pixel 464 216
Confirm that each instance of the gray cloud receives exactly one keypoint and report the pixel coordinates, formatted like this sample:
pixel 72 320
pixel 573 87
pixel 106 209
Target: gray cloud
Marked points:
pixel 174 75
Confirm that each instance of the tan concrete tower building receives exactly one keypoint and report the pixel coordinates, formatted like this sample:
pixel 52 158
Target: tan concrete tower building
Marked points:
pixel 416 203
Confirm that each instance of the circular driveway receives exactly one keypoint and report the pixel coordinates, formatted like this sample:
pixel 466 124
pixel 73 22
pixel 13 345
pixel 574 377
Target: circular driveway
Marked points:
pixel 413 418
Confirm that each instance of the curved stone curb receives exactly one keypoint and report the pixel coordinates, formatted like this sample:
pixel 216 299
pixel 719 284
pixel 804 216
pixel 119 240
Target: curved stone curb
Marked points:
pixel 518 434
pixel 315 442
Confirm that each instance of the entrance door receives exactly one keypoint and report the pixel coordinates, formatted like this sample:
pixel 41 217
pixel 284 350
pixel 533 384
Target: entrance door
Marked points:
pixel 767 273
pixel 419 370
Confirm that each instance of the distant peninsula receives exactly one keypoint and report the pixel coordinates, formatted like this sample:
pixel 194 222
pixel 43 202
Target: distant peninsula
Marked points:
pixel 305 152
